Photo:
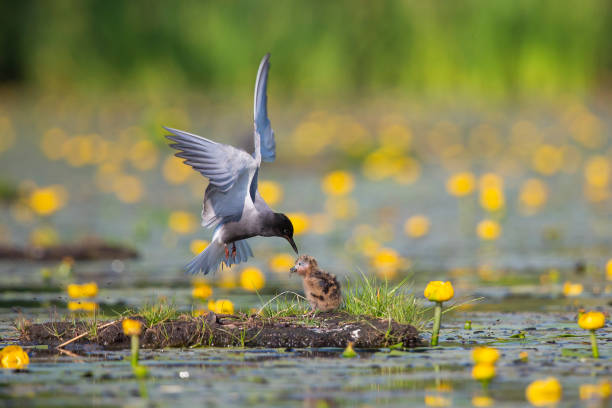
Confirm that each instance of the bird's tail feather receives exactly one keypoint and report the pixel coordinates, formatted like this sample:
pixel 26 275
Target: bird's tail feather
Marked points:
pixel 214 255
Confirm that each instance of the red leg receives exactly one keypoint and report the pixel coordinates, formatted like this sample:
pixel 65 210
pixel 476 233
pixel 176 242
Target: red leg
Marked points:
pixel 226 252
pixel 234 250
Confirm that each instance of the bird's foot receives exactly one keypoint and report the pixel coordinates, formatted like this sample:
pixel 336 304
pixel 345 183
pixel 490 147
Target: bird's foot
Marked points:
pixel 234 250
pixel 226 252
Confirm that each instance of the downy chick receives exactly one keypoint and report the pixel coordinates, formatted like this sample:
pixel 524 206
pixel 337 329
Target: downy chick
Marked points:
pixel 321 288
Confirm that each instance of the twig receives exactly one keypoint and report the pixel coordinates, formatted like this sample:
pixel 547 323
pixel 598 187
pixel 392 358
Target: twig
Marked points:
pixel 71 354
pixel 85 334
pixel 276 297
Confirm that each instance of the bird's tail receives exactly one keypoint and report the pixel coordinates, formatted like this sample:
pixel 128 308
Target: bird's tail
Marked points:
pixel 211 258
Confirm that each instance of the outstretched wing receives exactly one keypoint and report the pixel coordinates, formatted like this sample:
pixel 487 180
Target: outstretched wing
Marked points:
pixel 221 164
pixel 264 135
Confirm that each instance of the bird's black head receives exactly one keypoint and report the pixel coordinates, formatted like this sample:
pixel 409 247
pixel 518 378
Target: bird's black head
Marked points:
pixel 282 227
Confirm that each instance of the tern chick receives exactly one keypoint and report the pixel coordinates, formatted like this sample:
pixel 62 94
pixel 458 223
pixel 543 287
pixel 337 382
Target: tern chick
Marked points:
pixel 321 288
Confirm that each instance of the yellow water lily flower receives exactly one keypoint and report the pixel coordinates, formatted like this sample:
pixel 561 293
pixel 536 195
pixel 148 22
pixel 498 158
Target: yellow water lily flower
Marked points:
pixel 86 290
pixel 47 200
pixel 461 184
pixel 533 194
pixel 485 355
pixel 482 401
pixel 131 327
pixel 492 198
pixel 281 263
pixel 338 183
pixel 252 279
pixel 488 230
pixel 182 222
pixel 600 391
pixel 198 245
pixel 75 306
pixel 544 392
pixel 417 226
pixel 175 171
pixel 592 320
pixel 386 262
pixel 221 306
pixel 572 289
pixel 13 357
pixel 300 222
pixel 271 191
pixel 438 291
pixel 483 372
pixel 437 401
pixel 202 291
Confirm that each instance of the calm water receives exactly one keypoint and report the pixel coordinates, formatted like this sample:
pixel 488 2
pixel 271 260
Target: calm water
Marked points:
pixel 518 279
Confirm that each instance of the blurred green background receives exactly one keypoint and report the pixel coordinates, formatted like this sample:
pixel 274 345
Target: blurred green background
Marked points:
pixel 497 50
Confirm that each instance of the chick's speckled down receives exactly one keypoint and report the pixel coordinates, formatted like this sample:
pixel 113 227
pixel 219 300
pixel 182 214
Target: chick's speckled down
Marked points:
pixel 321 288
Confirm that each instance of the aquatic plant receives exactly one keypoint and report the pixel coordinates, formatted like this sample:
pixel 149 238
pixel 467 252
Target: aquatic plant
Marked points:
pixel 544 392
pixel 285 304
pixel 484 369
pixel 592 321
pixel 13 357
pixel 155 313
pixel 438 292
pixel 132 328
pixel 371 297
pixel 349 352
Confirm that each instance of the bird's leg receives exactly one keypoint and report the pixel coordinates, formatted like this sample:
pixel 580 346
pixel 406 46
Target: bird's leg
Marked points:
pixel 234 250
pixel 226 252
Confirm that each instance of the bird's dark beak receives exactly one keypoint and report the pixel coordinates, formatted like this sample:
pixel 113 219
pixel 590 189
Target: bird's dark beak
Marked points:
pixel 292 242
pixel 293 269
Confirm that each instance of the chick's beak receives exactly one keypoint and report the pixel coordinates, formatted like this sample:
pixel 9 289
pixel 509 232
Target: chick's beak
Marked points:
pixel 293 269
pixel 292 242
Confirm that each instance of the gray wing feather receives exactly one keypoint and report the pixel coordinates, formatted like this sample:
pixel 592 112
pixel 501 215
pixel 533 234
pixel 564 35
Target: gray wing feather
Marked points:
pixel 263 128
pixel 221 164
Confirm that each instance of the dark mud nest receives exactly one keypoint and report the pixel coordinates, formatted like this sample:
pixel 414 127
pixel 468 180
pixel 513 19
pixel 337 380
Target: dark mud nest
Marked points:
pixel 330 330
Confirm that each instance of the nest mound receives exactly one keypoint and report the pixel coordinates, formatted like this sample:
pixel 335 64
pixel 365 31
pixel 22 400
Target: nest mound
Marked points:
pixel 330 329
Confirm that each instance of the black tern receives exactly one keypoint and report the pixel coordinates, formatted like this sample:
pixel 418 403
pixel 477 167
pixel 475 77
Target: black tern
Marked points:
pixel 232 203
